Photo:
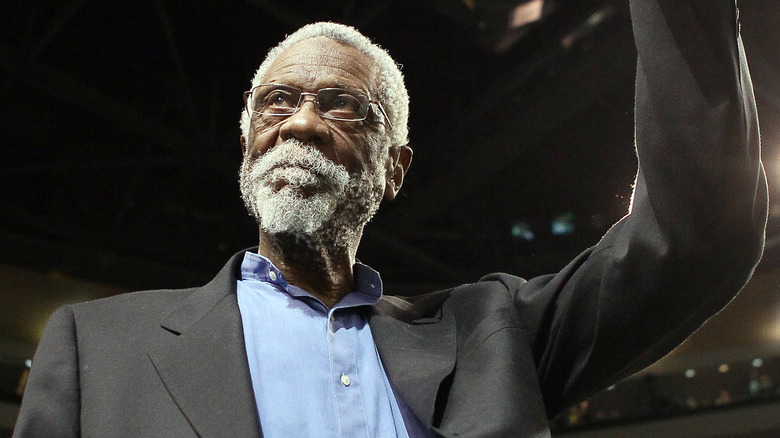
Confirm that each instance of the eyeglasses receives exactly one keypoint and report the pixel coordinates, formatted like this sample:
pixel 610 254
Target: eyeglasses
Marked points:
pixel 278 100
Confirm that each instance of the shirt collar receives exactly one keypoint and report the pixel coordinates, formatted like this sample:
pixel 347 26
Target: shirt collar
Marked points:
pixel 368 283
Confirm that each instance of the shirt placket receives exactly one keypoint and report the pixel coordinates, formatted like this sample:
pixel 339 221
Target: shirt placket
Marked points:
pixel 345 379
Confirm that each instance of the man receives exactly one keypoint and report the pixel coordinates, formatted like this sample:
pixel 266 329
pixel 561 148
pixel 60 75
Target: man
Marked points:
pixel 296 339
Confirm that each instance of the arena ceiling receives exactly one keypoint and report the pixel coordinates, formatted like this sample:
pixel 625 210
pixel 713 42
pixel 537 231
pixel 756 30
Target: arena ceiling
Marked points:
pixel 120 132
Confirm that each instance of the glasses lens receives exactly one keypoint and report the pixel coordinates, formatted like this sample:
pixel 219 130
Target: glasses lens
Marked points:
pixel 341 104
pixel 275 99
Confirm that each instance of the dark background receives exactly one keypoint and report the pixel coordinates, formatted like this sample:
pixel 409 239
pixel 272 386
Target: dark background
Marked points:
pixel 120 138
pixel 119 151
pixel 120 132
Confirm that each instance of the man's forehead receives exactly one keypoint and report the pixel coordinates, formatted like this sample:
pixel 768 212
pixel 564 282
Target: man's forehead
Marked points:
pixel 321 60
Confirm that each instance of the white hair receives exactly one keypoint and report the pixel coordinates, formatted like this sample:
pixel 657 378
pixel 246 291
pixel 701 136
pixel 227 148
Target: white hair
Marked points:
pixel 390 90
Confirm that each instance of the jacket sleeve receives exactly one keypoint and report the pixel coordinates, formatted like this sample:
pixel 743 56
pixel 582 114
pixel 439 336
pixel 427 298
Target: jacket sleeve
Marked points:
pixel 51 406
pixel 695 229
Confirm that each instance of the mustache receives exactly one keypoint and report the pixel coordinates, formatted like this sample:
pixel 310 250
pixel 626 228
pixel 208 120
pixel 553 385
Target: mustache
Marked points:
pixel 293 153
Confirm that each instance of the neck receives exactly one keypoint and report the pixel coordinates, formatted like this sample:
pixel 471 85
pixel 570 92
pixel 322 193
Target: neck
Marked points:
pixel 317 264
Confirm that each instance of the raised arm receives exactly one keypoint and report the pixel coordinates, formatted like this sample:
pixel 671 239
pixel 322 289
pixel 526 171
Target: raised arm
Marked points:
pixel 695 230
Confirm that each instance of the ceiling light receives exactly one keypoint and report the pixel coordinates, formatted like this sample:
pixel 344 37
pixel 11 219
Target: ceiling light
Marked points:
pixel 526 13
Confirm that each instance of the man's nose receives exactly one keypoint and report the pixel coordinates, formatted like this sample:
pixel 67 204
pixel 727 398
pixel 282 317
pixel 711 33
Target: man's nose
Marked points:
pixel 306 125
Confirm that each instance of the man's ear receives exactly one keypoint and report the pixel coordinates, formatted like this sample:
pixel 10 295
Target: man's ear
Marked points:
pixel 398 163
pixel 243 145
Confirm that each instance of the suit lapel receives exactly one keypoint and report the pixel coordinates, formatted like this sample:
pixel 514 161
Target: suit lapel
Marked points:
pixel 201 359
pixel 417 351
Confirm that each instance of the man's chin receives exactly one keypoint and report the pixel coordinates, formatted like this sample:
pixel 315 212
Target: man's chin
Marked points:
pixel 294 209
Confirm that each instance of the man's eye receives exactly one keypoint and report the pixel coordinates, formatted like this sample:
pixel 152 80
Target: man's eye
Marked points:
pixel 346 103
pixel 280 99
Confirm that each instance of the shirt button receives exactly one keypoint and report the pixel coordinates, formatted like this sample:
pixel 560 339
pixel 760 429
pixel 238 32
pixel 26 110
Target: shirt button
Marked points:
pixel 272 275
pixel 345 380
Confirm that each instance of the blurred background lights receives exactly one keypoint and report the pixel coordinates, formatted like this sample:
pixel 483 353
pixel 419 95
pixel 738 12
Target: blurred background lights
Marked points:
pixel 522 230
pixel 526 13
pixel 772 167
pixel 690 373
pixel 757 362
pixel 772 331
pixel 723 368
pixel 563 224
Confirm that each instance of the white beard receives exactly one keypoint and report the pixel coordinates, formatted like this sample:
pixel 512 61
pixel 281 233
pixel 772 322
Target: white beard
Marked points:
pixel 294 189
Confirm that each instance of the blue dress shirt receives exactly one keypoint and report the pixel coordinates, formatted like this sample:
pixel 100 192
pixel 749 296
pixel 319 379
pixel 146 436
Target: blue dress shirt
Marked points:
pixel 316 371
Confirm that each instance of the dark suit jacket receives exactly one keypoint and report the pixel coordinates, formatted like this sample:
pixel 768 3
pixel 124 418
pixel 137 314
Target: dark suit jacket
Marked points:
pixel 492 358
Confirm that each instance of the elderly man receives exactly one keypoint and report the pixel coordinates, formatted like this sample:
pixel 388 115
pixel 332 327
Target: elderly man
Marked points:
pixel 295 338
